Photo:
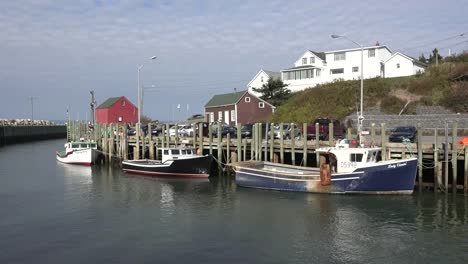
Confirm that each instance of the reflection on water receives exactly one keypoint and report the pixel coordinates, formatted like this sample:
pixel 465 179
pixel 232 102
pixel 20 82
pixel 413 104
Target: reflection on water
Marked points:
pixel 98 213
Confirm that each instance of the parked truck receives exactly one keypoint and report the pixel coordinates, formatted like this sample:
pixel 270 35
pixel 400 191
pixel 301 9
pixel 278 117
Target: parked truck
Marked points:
pixel 339 131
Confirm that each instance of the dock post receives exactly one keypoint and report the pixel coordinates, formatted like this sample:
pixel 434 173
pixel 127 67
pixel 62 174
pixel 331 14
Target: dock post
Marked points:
pixel 348 134
pixel 446 149
pixel 168 141
pixel 272 141
pixel 125 142
pixel 454 157
pixel 143 144
pixel 239 142
pixel 176 133
pixel 137 146
pixel 373 134
pixel 111 141
pixel 317 143
pixel 420 157
pixel 194 137
pixel 281 135
pixel 304 142
pixel 105 144
pixel 156 148
pixel 118 142
pixel 220 147
pixel 163 138
pixel 292 135
pixel 465 180
pixel 210 138
pixel 228 153
pixel 244 148
pixel 259 142
pixel 200 137
pixel 330 134
pixel 384 140
pixel 252 141
pixel 436 161
pixel 150 142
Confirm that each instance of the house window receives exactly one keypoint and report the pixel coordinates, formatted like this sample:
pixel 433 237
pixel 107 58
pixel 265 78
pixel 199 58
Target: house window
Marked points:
pixel 261 79
pixel 212 117
pixel 337 71
pixel 312 60
pixel 355 69
pixel 123 103
pixel 371 53
pixel 304 61
pixel 220 116
pixel 247 99
pixel 120 119
pixel 261 105
pixel 398 65
pixel 317 72
pixel 340 56
pixel 233 115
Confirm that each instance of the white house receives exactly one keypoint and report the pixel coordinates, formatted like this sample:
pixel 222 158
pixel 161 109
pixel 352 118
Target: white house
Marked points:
pixel 261 78
pixel 401 65
pixel 314 68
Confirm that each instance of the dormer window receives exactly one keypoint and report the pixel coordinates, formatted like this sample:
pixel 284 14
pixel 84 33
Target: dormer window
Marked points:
pixel 261 79
pixel 312 60
pixel 123 103
pixel 304 61
pixel 247 99
pixel 398 65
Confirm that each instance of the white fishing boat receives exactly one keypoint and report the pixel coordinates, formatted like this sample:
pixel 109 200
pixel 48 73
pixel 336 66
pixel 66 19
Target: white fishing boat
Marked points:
pixel 79 152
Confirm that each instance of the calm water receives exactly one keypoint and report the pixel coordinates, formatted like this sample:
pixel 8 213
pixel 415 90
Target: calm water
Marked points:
pixel 54 213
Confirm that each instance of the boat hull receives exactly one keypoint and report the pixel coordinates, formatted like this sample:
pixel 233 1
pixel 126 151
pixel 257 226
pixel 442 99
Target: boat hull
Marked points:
pixel 79 157
pixel 197 167
pixel 393 177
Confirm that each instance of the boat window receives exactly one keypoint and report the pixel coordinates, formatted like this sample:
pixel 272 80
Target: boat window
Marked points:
pixel 183 152
pixel 370 156
pixel 93 145
pixel 356 157
pixel 175 152
pixel 83 145
pixel 166 152
pixel 378 156
pixel 75 145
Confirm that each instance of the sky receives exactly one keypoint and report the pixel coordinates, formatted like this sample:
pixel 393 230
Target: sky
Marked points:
pixel 56 51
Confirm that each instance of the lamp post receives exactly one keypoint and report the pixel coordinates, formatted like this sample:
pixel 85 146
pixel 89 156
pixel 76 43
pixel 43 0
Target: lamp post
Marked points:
pixel 360 117
pixel 140 99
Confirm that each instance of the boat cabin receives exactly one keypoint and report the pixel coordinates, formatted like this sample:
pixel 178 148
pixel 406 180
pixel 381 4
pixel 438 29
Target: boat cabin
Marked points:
pixel 80 145
pixel 343 158
pixel 177 153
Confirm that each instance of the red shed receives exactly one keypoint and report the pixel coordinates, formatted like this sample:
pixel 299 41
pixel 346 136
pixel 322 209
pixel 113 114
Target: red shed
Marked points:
pixel 117 110
pixel 238 107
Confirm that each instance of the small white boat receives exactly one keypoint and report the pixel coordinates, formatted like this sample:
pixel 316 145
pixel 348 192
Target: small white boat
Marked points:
pixel 81 152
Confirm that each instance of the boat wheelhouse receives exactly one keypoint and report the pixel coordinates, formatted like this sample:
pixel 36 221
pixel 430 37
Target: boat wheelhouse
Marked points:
pixel 79 152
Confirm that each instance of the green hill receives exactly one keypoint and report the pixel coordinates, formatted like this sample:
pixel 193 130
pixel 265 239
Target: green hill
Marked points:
pixel 438 86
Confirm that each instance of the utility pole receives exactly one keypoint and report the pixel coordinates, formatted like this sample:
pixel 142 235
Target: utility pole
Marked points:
pixel 437 56
pixel 93 105
pixel 32 98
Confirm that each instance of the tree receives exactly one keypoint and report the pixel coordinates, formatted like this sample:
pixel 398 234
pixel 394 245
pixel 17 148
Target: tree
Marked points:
pixel 435 54
pixel 274 91
pixel 422 58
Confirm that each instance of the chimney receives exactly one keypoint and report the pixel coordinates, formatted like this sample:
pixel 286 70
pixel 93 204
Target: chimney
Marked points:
pixel 377 43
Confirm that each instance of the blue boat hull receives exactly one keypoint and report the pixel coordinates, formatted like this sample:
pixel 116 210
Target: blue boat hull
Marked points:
pixel 395 177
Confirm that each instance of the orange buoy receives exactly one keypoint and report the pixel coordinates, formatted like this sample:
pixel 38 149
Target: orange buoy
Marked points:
pixel 464 141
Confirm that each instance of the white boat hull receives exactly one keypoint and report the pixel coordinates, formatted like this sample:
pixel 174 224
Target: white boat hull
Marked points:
pixel 82 157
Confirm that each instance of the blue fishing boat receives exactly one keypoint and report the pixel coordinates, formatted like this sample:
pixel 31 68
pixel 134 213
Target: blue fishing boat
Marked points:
pixel 343 169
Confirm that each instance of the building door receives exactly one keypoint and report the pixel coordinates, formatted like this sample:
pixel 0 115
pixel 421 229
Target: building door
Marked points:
pixel 226 117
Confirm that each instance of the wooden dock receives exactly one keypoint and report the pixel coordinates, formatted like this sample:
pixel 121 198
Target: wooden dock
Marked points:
pixel 443 163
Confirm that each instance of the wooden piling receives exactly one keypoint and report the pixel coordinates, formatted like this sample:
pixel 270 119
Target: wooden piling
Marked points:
pixel 420 157
pixel 228 150
pixel 137 146
pixel 220 147
pixel 156 148
pixel 163 138
pixel 293 143
pixel 304 144
pixel 252 142
pixel 348 133
pixel 465 180
pixel 125 142
pixel 373 135
pixel 168 141
pixel 330 134
pixel 383 140
pixel 194 134
pixel 272 141
pixel 259 142
pixel 105 145
pixel 436 161
pixel 210 138
pixel 200 138
pixel 176 134
pixel 281 143
pixel 239 141
pixel 454 157
pixel 244 147
pixel 111 141
pixel 150 143
pixel 317 143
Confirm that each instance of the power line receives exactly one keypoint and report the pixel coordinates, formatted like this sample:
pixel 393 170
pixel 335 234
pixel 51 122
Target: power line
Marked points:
pixel 435 42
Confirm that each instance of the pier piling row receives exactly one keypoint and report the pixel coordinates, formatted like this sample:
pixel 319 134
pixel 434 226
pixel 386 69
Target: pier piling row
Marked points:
pixel 440 159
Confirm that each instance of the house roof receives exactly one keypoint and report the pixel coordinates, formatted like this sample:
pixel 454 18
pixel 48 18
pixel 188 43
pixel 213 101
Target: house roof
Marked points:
pixel 273 74
pixel 107 103
pixel 364 48
pixel 321 55
pixel 301 68
pixel 415 61
pixel 225 99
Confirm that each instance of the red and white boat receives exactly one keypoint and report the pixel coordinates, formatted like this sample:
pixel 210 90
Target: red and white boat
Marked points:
pixel 81 152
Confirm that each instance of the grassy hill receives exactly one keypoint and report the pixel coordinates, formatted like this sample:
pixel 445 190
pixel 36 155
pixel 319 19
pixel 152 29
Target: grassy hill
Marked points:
pixel 438 86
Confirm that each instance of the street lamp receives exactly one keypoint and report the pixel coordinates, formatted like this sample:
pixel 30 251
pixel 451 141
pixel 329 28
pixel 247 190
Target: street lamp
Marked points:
pixel 139 91
pixel 360 117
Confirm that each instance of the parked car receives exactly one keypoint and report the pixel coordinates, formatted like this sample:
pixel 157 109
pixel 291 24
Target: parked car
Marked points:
pixel 246 130
pixel 205 128
pixel 156 131
pixel 288 131
pixel 225 130
pixel 180 131
pixel 339 131
pixel 403 132
pixel 131 131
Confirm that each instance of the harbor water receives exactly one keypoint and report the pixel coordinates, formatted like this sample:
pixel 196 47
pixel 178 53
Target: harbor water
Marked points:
pixel 56 213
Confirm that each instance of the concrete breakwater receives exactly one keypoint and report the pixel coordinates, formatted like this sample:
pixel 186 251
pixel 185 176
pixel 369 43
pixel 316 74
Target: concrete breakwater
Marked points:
pixel 13 134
